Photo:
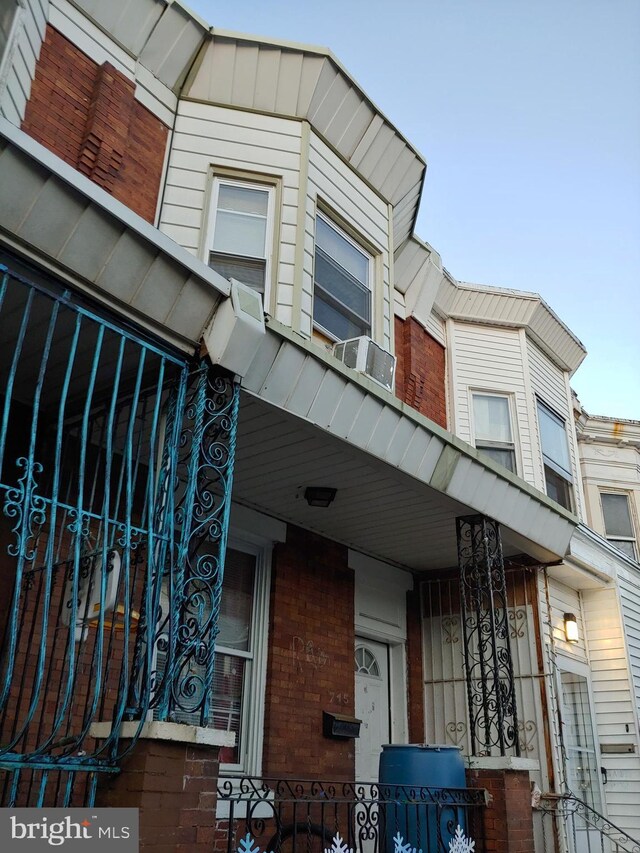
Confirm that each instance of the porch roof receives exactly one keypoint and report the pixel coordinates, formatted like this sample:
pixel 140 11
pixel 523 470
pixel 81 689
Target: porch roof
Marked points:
pixel 306 420
pixel 66 223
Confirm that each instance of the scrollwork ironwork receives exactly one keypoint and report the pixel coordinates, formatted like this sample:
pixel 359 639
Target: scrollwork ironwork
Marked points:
pixel 204 472
pixel 23 504
pixel 569 807
pixel 493 719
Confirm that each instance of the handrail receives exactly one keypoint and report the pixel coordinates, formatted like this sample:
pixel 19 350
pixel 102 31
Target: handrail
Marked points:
pixel 569 804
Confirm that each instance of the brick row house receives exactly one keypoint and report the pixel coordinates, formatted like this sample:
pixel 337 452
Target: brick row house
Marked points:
pixel 277 490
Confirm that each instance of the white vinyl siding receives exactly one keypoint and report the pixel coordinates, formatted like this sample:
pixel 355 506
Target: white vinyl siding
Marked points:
pixel 21 36
pixel 613 704
pixel 333 184
pixel 563 600
pixel 484 358
pixel 629 584
pixel 207 137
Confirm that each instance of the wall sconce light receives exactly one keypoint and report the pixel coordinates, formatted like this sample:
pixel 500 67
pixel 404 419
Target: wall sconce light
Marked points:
pixel 319 495
pixel 571 628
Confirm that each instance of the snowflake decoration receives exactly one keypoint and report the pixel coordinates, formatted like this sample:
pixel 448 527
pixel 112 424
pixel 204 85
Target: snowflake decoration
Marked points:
pixel 460 843
pixel 338 845
pixel 248 845
pixel 400 847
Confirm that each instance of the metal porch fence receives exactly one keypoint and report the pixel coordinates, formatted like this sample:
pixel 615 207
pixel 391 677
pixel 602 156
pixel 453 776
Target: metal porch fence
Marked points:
pixel 116 459
pixel 295 816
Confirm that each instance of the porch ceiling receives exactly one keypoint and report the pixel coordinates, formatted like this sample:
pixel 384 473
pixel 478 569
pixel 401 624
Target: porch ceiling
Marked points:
pixel 401 480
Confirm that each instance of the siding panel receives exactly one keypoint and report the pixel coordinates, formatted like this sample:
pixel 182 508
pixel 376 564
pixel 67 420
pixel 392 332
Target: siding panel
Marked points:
pixel 613 703
pixel 207 136
pixel 491 359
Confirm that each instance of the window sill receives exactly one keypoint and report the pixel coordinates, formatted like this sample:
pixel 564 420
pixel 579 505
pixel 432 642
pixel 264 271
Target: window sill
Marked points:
pixel 176 732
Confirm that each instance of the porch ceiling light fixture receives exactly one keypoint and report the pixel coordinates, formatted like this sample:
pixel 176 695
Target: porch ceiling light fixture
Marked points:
pixel 319 495
pixel 571 628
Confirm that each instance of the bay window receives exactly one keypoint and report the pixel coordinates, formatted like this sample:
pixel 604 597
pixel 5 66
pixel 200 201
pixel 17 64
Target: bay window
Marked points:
pixel 617 523
pixel 492 428
pixel 342 283
pixel 555 456
pixel 240 235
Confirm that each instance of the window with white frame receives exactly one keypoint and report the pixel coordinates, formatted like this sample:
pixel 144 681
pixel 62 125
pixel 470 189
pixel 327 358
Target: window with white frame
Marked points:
pixel 342 283
pixel 237 703
pixel 240 234
pixel 555 455
pixel 237 691
pixel 617 522
pixel 492 428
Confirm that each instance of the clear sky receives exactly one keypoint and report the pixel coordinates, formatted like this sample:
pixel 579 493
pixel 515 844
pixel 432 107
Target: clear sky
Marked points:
pixel 528 114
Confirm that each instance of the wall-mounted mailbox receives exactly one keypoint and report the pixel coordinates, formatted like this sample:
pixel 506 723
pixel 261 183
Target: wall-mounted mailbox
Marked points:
pixel 340 725
pixel 617 748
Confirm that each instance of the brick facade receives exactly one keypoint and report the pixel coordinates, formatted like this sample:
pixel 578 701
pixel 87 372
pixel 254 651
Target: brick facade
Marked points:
pixel 415 673
pixel 508 819
pixel 310 659
pixel 420 370
pixel 174 785
pixel 88 115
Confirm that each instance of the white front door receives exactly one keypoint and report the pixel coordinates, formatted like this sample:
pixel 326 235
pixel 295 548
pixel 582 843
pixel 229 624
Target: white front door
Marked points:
pixel 582 769
pixel 372 706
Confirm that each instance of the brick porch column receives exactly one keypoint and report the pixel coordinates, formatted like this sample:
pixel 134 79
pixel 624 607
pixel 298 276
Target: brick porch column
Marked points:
pixel 171 775
pixel 508 820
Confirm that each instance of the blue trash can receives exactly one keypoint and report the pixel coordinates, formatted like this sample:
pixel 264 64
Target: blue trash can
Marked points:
pixel 420 822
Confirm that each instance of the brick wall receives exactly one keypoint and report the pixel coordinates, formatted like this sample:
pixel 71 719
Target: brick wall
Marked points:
pixel 508 820
pixel 415 676
pixel 310 659
pixel 420 370
pixel 88 115
pixel 174 785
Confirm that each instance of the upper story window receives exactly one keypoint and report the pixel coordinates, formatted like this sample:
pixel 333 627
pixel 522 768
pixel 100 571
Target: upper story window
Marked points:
pixel 342 283
pixel 240 240
pixel 492 427
pixel 555 455
pixel 617 523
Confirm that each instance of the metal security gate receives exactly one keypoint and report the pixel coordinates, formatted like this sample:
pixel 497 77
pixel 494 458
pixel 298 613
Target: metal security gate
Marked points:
pixel 116 461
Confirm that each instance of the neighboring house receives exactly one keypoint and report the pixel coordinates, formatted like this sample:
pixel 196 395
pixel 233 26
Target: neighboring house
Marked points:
pixel 227 537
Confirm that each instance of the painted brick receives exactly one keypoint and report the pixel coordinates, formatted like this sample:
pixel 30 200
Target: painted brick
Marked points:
pixel 508 820
pixel 310 659
pixel 88 115
pixel 420 370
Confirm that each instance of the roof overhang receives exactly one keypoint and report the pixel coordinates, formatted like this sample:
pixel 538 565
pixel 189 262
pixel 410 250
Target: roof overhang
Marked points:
pixel 401 480
pixel 497 306
pixel 272 76
pixel 58 218
pixel 308 83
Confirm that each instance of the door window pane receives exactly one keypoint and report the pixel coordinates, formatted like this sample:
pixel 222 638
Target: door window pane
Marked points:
pixel 582 764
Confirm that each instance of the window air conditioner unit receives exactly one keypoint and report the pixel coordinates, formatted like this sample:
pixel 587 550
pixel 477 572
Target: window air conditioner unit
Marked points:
pixel 364 355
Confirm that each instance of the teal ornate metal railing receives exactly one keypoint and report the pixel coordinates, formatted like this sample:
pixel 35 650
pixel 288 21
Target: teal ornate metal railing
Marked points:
pixel 116 464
